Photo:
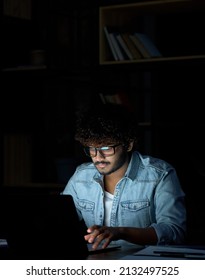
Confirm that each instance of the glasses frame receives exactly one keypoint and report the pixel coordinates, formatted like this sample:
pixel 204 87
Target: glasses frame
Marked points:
pixel 100 149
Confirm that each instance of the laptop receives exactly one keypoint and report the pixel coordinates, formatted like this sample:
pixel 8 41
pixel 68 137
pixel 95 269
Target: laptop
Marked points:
pixel 42 226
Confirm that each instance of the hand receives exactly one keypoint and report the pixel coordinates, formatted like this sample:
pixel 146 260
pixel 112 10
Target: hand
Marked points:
pixel 97 234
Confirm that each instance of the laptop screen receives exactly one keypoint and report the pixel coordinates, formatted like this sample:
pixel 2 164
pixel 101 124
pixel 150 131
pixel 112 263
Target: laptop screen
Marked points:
pixel 43 227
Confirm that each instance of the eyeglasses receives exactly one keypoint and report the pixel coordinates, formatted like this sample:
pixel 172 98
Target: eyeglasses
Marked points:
pixel 104 151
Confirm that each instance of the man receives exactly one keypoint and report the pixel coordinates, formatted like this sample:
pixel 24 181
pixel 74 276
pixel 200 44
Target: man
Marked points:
pixel 122 195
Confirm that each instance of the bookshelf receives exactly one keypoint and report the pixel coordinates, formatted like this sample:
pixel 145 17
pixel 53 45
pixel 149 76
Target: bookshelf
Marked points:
pixel 46 70
pixel 18 8
pixel 160 86
pixel 167 90
pixel 40 101
pixel 77 71
pixel 149 17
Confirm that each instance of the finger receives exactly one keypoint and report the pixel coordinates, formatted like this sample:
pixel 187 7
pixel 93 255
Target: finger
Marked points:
pixel 89 238
pixel 92 236
pixel 106 243
pixel 97 242
pixel 91 229
pixel 99 238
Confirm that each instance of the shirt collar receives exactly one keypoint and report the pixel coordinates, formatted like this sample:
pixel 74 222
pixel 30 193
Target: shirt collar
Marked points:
pixel 133 166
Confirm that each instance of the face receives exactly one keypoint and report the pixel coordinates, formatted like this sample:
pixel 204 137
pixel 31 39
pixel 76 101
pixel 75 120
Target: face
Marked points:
pixel 110 164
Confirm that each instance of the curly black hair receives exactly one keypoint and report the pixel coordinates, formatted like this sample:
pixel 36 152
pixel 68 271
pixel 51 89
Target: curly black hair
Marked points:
pixel 106 124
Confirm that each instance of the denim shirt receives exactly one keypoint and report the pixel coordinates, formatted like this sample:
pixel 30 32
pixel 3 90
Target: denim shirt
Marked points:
pixel 149 195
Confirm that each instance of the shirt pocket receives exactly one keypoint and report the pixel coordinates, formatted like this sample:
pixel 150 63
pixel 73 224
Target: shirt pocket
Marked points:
pixel 86 205
pixel 134 205
pixel 135 213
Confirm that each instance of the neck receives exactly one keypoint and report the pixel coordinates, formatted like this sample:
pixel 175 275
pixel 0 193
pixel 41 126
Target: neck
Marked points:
pixel 111 180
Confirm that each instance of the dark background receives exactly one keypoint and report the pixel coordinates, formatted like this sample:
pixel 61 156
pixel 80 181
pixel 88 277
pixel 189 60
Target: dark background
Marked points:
pixel 39 102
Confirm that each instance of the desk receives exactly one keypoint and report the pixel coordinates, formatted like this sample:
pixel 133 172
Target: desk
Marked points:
pixel 113 254
pixel 116 254
pixel 126 252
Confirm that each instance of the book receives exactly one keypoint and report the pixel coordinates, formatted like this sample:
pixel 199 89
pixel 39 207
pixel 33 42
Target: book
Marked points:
pixel 139 46
pixel 131 46
pixel 124 46
pixel 116 46
pixel 111 31
pixel 148 44
pixel 110 43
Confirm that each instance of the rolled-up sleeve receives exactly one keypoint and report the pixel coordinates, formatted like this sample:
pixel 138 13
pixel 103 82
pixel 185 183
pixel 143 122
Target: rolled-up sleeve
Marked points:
pixel 170 208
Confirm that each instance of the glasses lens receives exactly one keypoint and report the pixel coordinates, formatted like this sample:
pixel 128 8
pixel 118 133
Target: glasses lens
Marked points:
pixel 105 151
pixel 87 151
pixel 92 151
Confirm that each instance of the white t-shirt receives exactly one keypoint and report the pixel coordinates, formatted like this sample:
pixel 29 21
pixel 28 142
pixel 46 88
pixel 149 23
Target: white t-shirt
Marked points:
pixel 108 199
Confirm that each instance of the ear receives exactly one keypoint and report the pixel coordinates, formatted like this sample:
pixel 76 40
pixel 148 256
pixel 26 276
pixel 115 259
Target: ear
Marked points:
pixel 130 146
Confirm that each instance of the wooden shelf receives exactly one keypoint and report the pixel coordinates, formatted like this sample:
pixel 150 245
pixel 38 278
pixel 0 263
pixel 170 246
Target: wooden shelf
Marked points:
pixel 192 58
pixel 25 68
pixel 126 16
